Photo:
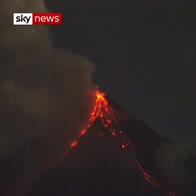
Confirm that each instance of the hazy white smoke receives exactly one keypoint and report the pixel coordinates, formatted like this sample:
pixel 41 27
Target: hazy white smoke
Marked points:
pixel 45 93
pixel 173 162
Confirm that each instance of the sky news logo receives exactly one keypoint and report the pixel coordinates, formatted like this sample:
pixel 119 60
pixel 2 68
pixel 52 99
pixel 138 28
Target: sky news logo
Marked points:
pixel 37 19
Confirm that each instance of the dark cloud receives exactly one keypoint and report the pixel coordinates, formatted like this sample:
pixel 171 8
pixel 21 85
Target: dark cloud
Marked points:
pixel 45 93
pixel 172 160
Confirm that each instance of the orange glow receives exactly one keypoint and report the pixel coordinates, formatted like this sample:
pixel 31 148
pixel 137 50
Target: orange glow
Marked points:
pixel 105 113
pixel 74 143
pixel 123 146
pixel 83 132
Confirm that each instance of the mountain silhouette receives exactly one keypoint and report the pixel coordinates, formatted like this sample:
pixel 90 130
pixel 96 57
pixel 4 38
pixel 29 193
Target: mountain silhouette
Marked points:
pixel 113 159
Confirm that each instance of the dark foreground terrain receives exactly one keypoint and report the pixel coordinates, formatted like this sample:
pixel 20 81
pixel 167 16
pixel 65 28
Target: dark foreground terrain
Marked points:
pixel 98 166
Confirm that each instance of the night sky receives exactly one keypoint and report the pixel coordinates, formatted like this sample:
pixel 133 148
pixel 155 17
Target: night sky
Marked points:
pixel 145 55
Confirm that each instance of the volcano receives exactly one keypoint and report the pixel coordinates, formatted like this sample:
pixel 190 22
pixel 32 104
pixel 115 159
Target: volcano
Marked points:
pixel 113 155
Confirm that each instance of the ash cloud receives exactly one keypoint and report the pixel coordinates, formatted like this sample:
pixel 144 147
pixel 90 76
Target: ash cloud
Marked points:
pixel 175 161
pixel 46 94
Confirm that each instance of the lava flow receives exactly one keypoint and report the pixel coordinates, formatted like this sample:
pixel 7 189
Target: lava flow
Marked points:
pixel 106 114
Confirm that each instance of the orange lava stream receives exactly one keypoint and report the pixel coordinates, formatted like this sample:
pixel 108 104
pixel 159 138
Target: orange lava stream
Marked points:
pixel 104 112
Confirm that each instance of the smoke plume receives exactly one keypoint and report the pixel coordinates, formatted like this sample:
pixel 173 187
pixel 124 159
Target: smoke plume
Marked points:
pixel 173 162
pixel 46 94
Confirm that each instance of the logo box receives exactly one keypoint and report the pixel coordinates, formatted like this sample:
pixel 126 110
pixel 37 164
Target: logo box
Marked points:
pixel 37 19
pixel 22 18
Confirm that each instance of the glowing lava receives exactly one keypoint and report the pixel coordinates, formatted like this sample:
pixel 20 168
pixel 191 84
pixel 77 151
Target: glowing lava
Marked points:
pixel 105 113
